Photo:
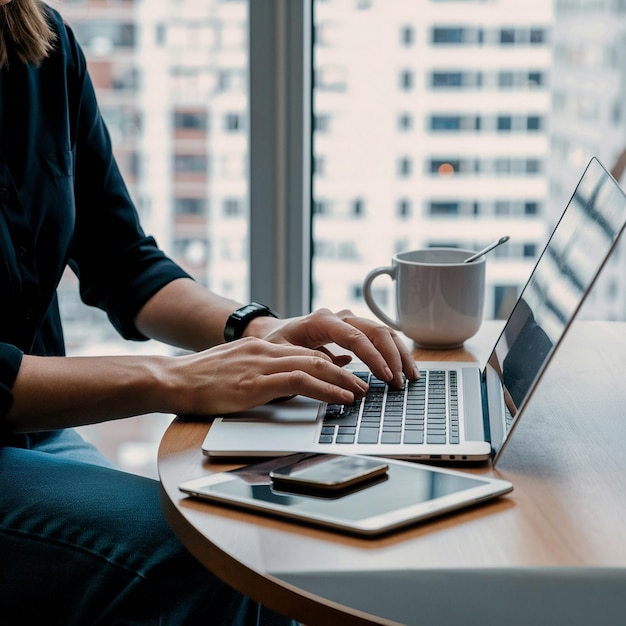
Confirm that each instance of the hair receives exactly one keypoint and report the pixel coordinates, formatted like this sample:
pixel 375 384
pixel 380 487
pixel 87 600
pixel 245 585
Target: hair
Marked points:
pixel 25 24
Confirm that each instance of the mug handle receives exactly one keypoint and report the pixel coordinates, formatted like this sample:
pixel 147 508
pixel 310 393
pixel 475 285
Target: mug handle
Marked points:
pixel 390 270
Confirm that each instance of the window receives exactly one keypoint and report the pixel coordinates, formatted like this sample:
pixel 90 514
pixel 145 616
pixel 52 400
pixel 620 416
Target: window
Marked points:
pixel 448 35
pixel 507 36
pixel 447 79
pixel 407 36
pixel 233 122
pixel 504 123
pixel 187 120
pixel 405 121
pixel 405 167
pixel 447 122
pixel 404 208
pixel 159 82
pixel 406 80
pixel 233 207
pixel 358 208
pixel 444 208
pixel 190 206
pixel 533 122
pixel 416 144
pixel 190 163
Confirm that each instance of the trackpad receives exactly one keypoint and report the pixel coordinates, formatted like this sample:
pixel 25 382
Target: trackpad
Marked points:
pixel 296 409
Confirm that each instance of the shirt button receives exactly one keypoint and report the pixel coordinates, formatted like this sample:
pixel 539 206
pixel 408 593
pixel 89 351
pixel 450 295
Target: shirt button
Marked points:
pixel 4 193
pixel 21 252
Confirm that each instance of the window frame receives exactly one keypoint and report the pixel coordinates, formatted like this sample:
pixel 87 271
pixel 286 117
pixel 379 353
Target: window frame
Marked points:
pixel 280 149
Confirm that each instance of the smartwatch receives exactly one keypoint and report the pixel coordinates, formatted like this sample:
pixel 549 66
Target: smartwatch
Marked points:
pixel 239 319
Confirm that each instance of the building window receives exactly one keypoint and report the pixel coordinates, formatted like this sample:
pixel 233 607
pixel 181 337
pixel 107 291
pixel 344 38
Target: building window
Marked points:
pixel 188 120
pixel 530 208
pixel 404 208
pixel 321 123
pixel 448 35
pixel 407 36
pixel 321 207
pixel 537 36
pixel 505 79
pixel 405 167
pixel 193 163
pixel 533 166
pixel 444 208
pixel 358 208
pixel 233 122
pixel 529 250
pixel 507 36
pixel 447 79
pixel 504 123
pixel 318 164
pixel 233 207
pixel 190 206
pixel 405 122
pixel 445 167
pixel 533 123
pixel 445 122
pixel 406 80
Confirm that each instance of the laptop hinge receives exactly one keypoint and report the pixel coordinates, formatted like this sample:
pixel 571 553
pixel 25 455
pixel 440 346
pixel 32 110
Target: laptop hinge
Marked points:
pixel 485 405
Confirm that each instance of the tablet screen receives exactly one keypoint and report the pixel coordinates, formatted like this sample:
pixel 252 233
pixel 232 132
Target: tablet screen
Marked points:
pixel 405 486
pixel 407 493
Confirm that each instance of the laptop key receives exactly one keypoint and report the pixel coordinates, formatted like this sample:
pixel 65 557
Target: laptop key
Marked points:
pixel 414 436
pixel 368 435
pixel 391 437
pixel 437 439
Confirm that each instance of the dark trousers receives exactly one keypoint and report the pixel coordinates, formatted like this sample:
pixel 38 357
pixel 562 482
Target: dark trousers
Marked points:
pixel 82 543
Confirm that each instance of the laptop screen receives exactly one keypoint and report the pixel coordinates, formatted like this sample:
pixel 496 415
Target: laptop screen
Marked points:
pixel 580 244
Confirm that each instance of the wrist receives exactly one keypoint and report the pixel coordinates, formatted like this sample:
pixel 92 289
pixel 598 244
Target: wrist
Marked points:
pixel 239 321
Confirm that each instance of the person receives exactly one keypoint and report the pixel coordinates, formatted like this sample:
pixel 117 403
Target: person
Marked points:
pixel 83 542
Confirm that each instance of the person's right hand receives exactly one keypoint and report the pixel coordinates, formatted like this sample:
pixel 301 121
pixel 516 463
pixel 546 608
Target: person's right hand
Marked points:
pixel 250 372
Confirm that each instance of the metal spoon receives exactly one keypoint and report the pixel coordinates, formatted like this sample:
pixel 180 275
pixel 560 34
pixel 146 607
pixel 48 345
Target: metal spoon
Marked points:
pixel 490 247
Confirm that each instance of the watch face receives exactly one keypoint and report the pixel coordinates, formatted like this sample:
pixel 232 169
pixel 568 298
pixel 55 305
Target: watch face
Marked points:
pixel 247 310
pixel 239 319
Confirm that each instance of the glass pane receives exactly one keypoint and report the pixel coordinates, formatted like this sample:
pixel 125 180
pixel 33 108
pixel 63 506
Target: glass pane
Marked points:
pixel 454 122
pixel 171 79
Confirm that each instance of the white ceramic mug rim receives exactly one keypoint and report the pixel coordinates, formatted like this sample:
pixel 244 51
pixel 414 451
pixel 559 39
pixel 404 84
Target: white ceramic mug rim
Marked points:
pixel 397 258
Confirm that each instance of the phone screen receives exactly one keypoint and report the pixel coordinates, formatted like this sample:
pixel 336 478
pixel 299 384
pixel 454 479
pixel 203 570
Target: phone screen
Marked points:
pixel 329 471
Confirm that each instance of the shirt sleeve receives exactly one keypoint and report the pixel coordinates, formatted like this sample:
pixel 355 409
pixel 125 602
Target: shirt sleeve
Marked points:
pixel 10 361
pixel 119 267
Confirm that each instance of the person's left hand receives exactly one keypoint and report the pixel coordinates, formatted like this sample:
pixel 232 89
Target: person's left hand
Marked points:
pixel 378 346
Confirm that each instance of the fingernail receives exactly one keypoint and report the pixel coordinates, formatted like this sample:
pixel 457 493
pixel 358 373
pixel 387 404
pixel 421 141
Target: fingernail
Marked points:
pixel 388 373
pixel 416 374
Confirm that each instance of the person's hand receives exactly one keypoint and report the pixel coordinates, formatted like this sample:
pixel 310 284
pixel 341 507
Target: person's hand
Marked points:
pixel 378 346
pixel 250 372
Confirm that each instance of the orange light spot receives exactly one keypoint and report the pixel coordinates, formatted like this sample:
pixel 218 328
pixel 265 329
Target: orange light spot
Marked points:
pixel 445 169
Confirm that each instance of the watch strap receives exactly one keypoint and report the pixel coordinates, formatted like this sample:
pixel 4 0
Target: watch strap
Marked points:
pixel 239 319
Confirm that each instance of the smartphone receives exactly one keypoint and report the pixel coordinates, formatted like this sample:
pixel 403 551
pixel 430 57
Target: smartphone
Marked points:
pixel 328 472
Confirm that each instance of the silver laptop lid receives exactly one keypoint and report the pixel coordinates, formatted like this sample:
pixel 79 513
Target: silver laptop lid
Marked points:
pixel 578 248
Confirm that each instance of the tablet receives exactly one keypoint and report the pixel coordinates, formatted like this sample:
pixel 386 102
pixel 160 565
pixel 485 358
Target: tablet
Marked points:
pixel 406 494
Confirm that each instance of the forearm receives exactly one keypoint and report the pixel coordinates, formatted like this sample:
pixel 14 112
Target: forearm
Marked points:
pixel 187 315
pixel 59 392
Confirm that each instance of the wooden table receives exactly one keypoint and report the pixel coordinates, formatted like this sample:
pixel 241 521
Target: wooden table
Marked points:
pixel 552 552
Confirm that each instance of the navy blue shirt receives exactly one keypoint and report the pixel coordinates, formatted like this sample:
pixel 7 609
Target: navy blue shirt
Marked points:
pixel 63 201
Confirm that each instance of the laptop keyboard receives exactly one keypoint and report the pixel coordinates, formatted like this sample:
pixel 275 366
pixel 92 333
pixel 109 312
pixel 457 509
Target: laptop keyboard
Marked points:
pixel 422 411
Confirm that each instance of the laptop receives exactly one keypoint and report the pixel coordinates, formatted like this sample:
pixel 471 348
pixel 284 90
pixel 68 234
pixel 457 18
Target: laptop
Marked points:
pixel 457 411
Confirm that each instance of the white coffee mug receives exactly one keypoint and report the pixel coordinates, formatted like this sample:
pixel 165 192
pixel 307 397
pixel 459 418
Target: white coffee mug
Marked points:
pixel 439 298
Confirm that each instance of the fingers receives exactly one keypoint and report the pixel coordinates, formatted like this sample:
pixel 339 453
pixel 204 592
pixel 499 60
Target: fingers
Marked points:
pixel 376 345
